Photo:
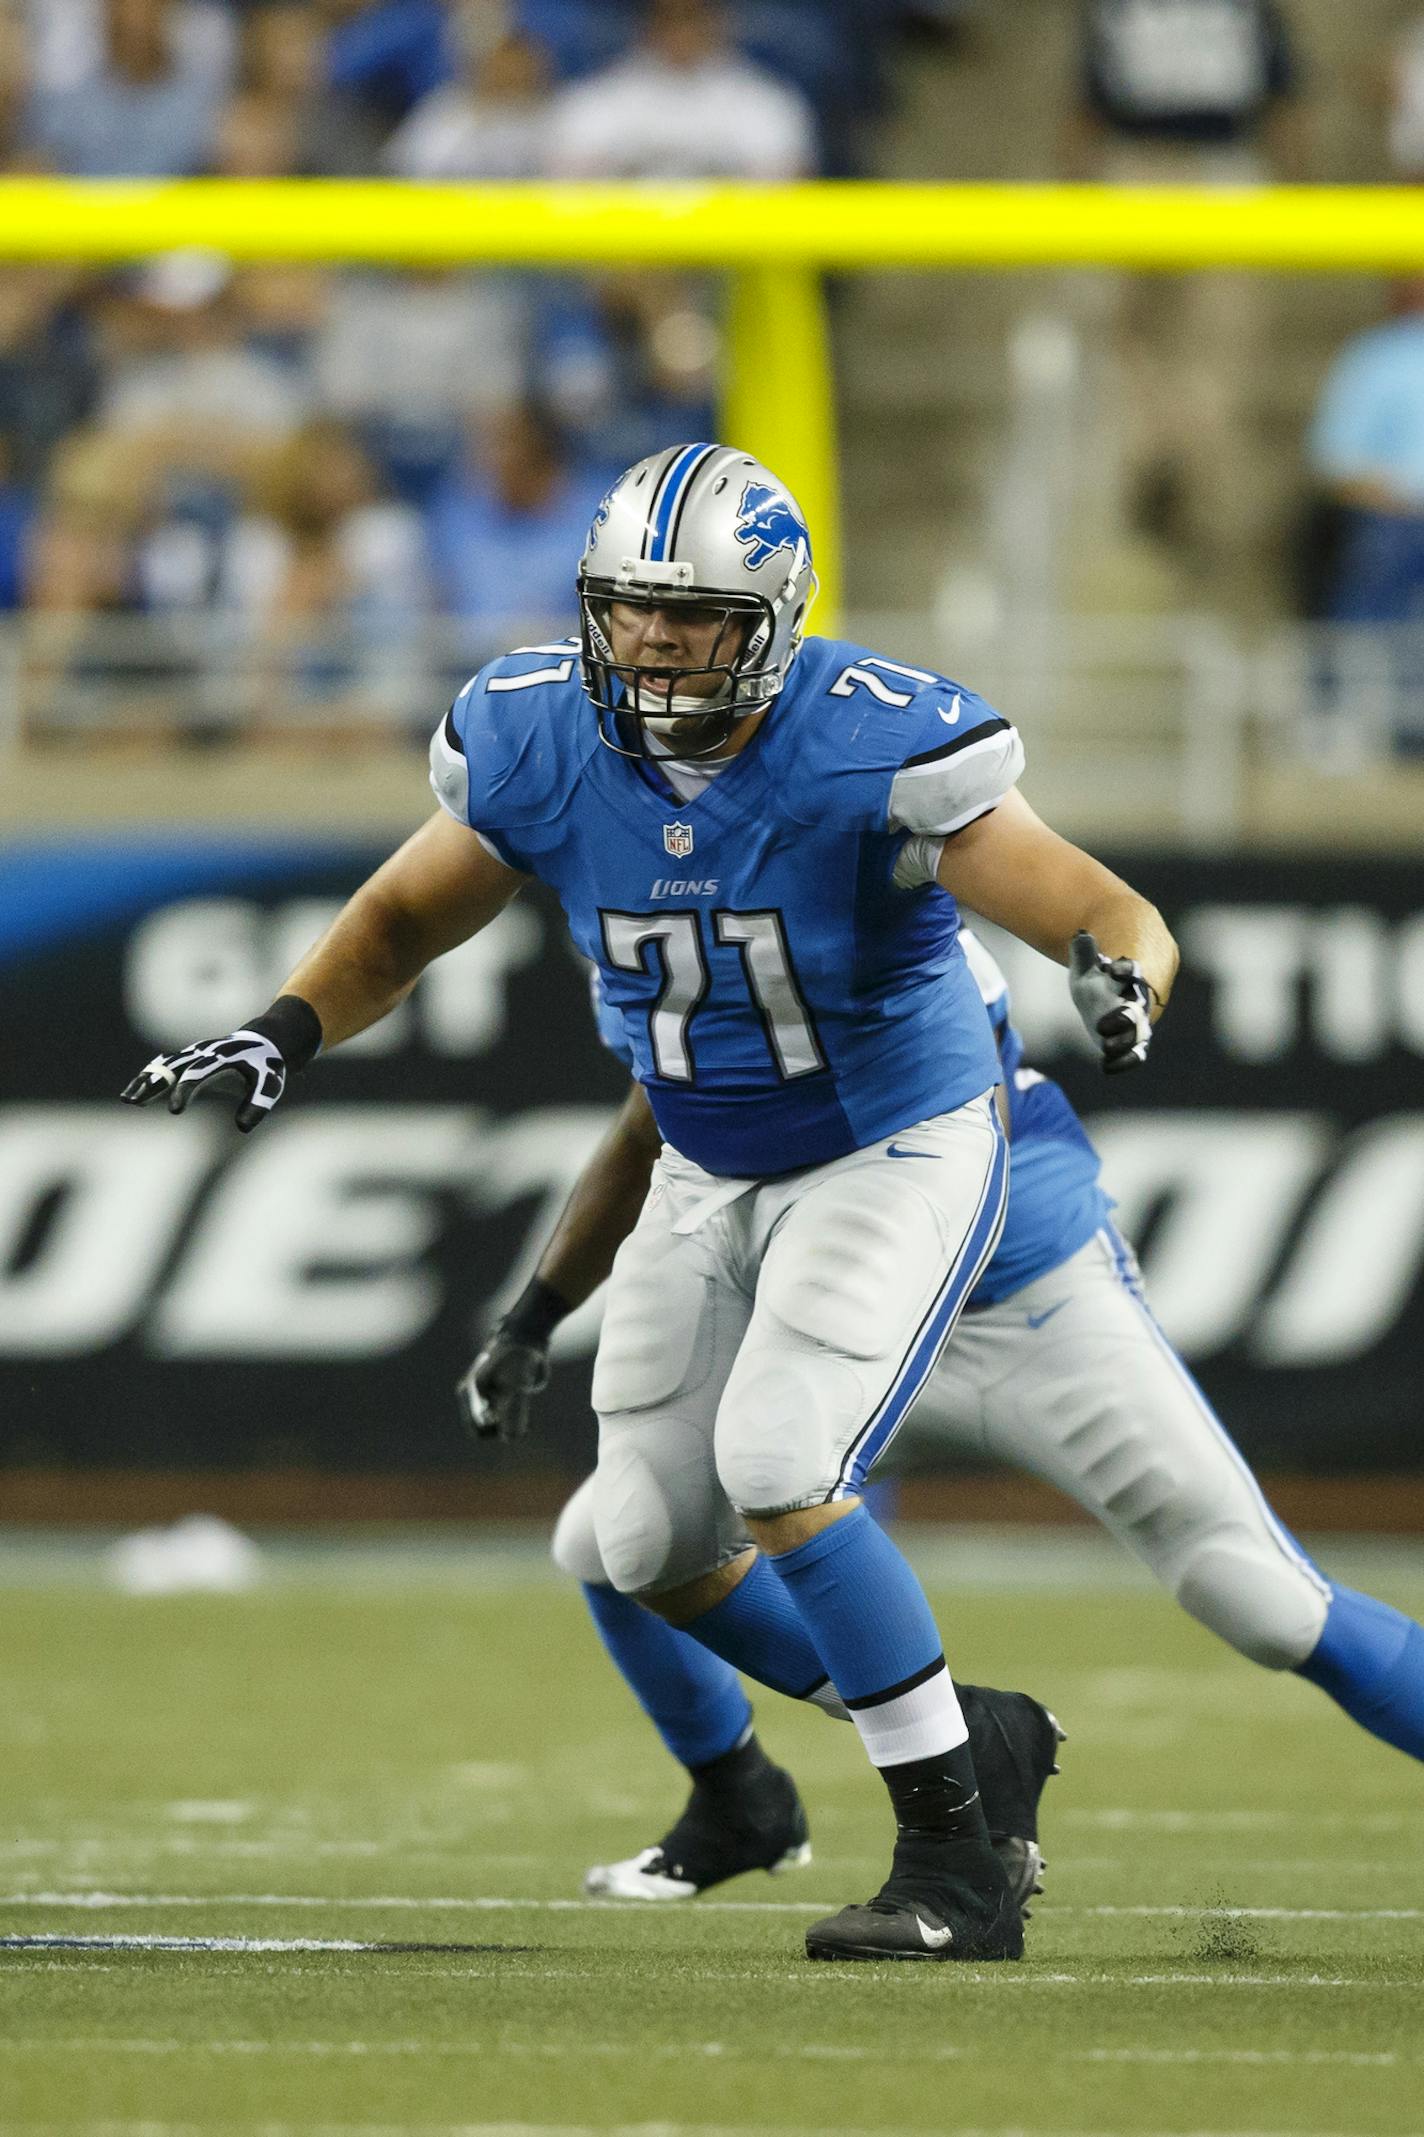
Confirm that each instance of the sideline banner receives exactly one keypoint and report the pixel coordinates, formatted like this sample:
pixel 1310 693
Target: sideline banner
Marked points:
pixel 175 1295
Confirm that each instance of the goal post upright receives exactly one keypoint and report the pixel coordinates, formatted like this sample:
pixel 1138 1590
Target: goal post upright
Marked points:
pixel 774 243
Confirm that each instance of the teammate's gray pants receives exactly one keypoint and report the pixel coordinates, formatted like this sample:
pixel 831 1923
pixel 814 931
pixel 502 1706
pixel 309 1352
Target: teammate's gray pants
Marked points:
pixel 1072 1380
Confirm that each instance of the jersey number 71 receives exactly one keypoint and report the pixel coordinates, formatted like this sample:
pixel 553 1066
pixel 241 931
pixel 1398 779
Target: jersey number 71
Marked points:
pixel 675 939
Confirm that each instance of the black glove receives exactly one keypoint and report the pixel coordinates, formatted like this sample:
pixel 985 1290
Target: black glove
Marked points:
pixel 1114 1001
pixel 252 1064
pixel 512 1366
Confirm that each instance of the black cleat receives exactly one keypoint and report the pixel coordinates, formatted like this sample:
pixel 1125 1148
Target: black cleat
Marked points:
pixel 1014 1742
pixel 964 1920
pixel 760 1825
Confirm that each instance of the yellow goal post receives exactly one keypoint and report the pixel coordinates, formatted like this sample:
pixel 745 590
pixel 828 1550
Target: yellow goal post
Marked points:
pixel 774 243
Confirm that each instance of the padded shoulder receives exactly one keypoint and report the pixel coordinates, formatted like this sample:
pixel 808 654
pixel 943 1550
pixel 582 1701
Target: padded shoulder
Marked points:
pixel 946 755
pixel 962 758
pixel 508 750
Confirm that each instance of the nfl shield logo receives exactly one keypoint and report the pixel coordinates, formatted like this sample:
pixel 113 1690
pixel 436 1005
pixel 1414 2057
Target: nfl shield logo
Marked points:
pixel 678 840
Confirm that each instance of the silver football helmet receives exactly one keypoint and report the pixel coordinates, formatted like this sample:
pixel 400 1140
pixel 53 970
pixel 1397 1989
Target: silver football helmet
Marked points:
pixel 705 528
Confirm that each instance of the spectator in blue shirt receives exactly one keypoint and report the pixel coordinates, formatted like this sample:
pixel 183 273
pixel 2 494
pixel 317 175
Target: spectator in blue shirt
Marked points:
pixel 503 528
pixel 1367 451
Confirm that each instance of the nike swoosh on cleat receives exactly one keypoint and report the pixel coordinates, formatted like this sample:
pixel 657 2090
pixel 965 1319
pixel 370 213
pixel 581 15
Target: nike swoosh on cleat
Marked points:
pixel 893 1150
pixel 1036 1320
pixel 951 717
pixel 935 1939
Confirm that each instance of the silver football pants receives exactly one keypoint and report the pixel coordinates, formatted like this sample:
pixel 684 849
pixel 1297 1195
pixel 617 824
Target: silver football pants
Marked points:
pixel 1072 1380
pixel 763 1340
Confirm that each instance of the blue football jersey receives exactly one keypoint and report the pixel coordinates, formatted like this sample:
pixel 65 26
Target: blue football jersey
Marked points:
pixel 787 970
pixel 1056 1199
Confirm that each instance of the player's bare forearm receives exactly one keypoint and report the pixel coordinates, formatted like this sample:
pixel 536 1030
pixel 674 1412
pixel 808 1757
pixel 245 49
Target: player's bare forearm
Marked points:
pixel 604 1206
pixel 1010 867
pixel 441 887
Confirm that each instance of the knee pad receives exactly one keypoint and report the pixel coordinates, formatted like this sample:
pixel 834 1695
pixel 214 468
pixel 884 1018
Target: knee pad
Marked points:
pixel 1188 1511
pixel 1269 1607
pixel 574 1549
pixel 656 1517
pixel 784 1425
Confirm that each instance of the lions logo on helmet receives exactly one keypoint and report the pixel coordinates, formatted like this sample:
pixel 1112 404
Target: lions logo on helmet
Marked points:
pixel 767 523
pixel 600 517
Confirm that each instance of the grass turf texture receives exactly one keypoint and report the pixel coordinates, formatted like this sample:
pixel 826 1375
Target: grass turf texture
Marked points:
pixel 379 1762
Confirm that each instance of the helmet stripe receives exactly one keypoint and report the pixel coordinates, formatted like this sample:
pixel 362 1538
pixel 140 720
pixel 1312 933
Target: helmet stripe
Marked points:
pixel 680 473
pixel 686 499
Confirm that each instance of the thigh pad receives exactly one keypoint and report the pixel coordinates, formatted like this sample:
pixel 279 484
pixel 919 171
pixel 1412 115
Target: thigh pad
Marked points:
pixel 852 1262
pixel 658 1324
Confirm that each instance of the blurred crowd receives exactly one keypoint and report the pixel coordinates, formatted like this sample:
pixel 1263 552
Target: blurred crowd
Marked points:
pixel 284 458
pixel 298 452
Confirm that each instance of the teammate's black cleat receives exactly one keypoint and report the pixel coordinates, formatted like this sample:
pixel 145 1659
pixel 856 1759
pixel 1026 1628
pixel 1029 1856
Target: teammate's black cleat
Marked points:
pixel 1014 1742
pixel 743 1814
pixel 917 1917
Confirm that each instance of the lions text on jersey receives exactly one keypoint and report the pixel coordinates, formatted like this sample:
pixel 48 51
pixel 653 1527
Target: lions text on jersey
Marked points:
pixel 787 967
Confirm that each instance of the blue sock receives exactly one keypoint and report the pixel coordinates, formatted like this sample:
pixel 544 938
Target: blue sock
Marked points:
pixel 694 1701
pixel 863 1607
pixel 869 1619
pixel 758 1628
pixel 1370 1658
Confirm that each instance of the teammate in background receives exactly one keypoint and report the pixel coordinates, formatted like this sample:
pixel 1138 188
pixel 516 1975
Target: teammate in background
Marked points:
pixel 815 1051
pixel 1057 1368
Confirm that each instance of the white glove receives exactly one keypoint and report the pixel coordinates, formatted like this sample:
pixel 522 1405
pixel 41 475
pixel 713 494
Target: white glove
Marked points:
pixel 1115 1002
pixel 252 1064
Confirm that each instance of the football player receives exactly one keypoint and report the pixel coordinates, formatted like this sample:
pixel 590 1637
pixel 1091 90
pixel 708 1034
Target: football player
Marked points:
pixel 1058 1368
pixel 760 844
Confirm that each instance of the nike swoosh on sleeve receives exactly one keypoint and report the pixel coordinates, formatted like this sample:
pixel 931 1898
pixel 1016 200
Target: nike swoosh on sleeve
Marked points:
pixel 951 717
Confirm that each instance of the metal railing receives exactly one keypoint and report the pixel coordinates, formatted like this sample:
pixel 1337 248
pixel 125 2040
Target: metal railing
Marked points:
pixel 1157 721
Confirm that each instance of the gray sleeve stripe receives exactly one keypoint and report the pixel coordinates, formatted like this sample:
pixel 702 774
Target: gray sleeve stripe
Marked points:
pixel 942 797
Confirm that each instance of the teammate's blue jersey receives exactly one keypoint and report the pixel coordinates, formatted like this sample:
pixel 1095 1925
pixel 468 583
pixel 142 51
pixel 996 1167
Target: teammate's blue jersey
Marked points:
pixel 786 967
pixel 1056 1201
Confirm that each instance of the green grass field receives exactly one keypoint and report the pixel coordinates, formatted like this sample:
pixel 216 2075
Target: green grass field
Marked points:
pixel 381 1776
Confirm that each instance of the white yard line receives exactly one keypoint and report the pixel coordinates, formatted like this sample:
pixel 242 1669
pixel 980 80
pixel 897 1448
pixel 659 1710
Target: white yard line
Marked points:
pixel 494 1960
pixel 681 2051
pixel 589 2129
pixel 486 1903
pixel 105 1902
pixel 214 1944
